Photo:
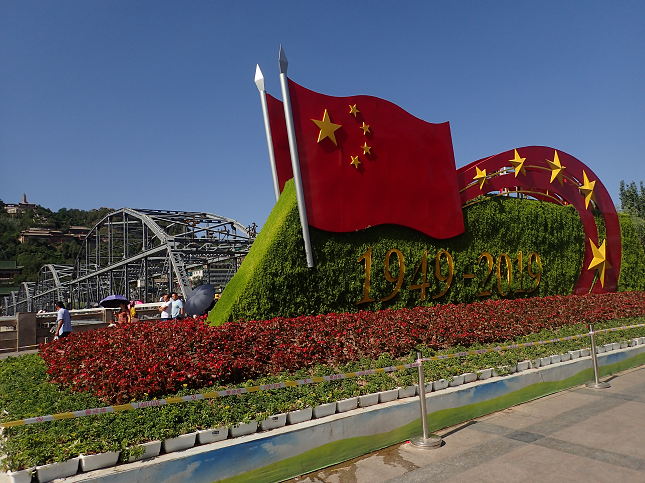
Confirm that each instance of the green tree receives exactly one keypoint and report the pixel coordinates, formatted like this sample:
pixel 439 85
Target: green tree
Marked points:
pixel 632 202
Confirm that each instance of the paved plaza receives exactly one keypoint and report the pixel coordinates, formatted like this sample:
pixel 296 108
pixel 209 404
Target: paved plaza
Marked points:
pixel 581 434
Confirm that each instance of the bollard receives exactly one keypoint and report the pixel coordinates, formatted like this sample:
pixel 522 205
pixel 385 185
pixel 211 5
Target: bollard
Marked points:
pixel 597 384
pixel 425 441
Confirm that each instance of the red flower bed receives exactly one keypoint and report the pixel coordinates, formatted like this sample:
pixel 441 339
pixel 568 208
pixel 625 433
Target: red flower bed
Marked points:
pixel 157 358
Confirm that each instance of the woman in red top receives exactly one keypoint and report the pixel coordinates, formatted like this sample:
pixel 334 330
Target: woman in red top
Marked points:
pixel 124 314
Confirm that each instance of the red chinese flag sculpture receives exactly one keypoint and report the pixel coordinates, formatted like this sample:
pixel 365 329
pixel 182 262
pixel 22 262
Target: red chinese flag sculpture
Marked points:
pixel 365 161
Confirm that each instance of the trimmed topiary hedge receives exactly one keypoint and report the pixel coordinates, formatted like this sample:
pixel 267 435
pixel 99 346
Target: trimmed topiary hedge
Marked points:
pixel 275 281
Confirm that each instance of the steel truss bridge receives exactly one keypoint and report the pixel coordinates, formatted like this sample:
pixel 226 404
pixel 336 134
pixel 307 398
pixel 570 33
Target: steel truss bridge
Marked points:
pixel 140 254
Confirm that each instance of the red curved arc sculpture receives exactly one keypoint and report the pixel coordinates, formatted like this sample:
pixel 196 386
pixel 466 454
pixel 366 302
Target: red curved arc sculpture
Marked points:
pixel 535 179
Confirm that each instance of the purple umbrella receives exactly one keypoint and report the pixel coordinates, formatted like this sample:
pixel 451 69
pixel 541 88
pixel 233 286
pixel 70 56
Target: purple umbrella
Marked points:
pixel 199 299
pixel 113 301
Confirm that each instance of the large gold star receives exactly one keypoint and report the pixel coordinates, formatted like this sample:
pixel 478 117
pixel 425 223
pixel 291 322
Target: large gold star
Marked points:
pixel 365 128
pixel 556 168
pixel 587 189
pixel 355 162
pixel 366 149
pixel 480 177
pixel 353 110
pixel 327 128
pixel 599 261
pixel 518 164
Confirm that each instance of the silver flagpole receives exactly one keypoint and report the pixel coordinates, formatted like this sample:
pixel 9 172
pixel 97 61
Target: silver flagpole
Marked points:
pixel 259 81
pixel 295 163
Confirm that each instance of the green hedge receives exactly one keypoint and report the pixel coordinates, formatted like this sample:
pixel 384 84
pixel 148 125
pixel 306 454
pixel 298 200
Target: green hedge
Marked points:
pixel 275 281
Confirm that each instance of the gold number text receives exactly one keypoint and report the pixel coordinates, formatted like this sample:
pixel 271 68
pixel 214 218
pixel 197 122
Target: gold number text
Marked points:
pixel 367 256
pixel 388 275
pixel 488 257
pixel 423 265
pixel 519 264
pixel 437 272
pixel 538 275
pixel 509 273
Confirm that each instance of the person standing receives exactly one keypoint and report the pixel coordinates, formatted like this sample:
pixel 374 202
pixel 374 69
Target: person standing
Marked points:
pixel 177 307
pixel 124 314
pixel 64 322
pixel 166 307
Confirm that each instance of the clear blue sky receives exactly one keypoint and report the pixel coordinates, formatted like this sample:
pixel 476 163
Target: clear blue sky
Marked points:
pixel 153 105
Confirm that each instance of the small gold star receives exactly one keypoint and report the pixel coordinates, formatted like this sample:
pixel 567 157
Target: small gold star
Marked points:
pixel 518 164
pixel 327 128
pixel 355 162
pixel 556 168
pixel 366 149
pixel 599 261
pixel 365 128
pixel 587 189
pixel 353 110
pixel 480 177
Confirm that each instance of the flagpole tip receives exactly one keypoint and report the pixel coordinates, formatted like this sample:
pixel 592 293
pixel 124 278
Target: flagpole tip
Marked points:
pixel 259 78
pixel 282 61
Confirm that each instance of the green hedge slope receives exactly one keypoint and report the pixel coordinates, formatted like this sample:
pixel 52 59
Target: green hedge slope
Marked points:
pixel 274 279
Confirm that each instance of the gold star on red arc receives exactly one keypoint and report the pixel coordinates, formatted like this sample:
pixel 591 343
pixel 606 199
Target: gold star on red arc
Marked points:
pixel 365 128
pixel 366 149
pixel 327 128
pixel 355 162
pixel 352 110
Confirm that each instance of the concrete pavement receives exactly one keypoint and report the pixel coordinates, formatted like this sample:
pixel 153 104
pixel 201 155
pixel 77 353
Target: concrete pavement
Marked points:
pixel 581 434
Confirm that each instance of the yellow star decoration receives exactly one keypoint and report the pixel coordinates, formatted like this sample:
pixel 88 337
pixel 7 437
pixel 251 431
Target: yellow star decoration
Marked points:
pixel 353 110
pixel 480 177
pixel 599 261
pixel 587 189
pixel 365 128
pixel 355 162
pixel 327 128
pixel 518 164
pixel 366 149
pixel 556 168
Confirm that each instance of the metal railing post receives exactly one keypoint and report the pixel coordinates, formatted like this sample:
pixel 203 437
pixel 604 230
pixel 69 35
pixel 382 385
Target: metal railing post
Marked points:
pixel 426 441
pixel 596 384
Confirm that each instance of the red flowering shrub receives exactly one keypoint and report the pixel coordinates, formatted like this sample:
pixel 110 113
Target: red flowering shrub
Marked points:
pixel 159 357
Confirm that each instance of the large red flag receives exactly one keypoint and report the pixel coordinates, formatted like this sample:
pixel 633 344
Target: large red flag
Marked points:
pixel 365 161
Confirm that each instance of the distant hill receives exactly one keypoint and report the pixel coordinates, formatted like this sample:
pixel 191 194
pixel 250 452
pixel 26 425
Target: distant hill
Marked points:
pixel 33 254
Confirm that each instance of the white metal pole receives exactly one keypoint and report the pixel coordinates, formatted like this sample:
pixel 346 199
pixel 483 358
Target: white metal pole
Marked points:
pixel 259 81
pixel 295 163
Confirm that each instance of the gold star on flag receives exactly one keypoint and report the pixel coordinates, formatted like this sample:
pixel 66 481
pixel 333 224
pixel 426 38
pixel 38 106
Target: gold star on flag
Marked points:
pixel 355 162
pixel 480 177
pixel 599 261
pixel 587 189
pixel 327 128
pixel 353 110
pixel 518 164
pixel 366 149
pixel 556 168
pixel 365 128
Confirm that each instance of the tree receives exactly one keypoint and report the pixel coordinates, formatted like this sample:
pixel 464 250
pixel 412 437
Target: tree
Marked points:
pixel 631 201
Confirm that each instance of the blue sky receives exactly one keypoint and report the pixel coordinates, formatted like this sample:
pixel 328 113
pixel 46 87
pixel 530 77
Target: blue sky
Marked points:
pixel 153 105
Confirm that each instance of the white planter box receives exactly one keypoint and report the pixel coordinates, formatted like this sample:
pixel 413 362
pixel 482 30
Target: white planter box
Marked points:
pixel 368 400
pixel 535 363
pixel 184 441
pixel 22 476
pixel 243 428
pixel 429 386
pixel 206 436
pixel 386 396
pixel 57 470
pixel 470 377
pixel 641 340
pixel 493 372
pixel 624 344
pixel 601 349
pixel 616 345
pixel 484 374
pixel 272 422
pixel 634 342
pixel 523 366
pixel 556 358
pixel 456 381
pixel 346 404
pixel 440 384
pixel 610 347
pixel 323 410
pixel 574 354
pixel 299 416
pixel 90 462
pixel 152 449
pixel 565 357
pixel 584 352
pixel 407 391
pixel 545 361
